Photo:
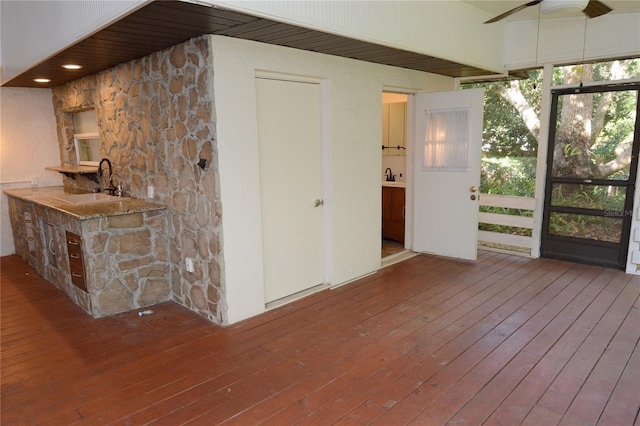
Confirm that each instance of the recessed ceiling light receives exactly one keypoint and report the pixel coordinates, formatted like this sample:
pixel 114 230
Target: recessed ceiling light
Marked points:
pixel 72 66
pixel 42 80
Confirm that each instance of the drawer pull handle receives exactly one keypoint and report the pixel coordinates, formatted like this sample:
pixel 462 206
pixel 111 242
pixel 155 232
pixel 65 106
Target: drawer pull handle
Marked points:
pixel 72 242
pixel 74 256
pixel 76 275
pixel 27 221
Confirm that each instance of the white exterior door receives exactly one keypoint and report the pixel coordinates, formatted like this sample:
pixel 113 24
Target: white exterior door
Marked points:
pixel 289 134
pixel 447 146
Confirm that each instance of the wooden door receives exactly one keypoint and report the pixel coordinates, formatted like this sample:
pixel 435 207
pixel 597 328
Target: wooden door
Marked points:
pixel 446 180
pixel 289 126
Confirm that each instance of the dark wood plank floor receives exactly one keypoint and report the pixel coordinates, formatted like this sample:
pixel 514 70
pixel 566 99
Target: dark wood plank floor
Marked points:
pixel 429 341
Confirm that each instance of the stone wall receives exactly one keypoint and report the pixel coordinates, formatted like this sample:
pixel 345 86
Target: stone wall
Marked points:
pixel 125 257
pixel 38 248
pixel 155 116
pixel 127 261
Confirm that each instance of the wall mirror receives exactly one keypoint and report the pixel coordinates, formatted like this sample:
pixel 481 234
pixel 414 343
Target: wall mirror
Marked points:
pixel 87 148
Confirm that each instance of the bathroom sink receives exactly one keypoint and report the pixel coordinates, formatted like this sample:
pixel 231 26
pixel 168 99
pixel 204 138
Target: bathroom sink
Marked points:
pixel 395 184
pixel 91 198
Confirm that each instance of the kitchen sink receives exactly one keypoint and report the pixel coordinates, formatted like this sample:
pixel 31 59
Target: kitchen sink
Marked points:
pixel 91 198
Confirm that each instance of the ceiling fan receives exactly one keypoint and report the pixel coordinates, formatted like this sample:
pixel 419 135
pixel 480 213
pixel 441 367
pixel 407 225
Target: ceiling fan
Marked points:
pixel 591 8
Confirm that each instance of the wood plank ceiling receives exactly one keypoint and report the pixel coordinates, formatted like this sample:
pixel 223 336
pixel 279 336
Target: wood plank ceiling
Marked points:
pixel 162 24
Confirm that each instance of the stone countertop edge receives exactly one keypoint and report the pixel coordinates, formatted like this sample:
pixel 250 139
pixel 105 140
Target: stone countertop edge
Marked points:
pixel 45 197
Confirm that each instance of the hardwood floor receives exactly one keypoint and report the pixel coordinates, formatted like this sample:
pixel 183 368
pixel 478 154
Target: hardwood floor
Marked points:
pixel 504 340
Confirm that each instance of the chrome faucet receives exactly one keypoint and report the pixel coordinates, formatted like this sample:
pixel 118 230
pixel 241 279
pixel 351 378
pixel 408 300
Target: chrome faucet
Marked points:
pixel 110 189
pixel 389 175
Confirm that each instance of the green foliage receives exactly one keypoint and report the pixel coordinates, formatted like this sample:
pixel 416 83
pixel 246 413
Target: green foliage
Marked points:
pixel 596 197
pixel 619 125
pixel 589 227
pixel 508 176
pixel 510 147
pixel 504 133
pixel 600 71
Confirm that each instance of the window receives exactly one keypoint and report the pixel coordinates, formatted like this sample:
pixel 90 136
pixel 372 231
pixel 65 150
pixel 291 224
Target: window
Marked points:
pixel 600 71
pixel 446 140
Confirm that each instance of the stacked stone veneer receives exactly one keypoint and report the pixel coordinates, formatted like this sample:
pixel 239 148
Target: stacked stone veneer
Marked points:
pixel 125 256
pixel 126 261
pixel 155 117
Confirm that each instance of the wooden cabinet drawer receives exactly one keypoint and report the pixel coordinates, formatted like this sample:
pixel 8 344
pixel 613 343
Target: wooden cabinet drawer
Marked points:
pixel 77 278
pixel 76 261
pixel 75 254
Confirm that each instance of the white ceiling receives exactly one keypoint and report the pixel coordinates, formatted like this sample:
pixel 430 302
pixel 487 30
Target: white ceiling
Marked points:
pixel 496 7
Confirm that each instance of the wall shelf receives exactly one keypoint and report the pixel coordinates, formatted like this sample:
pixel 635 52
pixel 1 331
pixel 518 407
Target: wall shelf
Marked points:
pixel 72 171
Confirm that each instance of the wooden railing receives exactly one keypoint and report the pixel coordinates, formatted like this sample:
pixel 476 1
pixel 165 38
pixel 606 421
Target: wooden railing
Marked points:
pixel 519 243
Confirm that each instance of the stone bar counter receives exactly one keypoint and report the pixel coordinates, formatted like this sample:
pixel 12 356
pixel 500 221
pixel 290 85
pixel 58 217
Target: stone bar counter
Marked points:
pixel 108 257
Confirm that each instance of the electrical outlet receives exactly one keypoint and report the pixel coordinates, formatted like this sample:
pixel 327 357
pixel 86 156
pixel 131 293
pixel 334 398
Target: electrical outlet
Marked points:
pixel 188 263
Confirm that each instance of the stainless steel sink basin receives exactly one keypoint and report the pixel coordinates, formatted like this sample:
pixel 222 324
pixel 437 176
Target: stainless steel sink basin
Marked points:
pixel 91 198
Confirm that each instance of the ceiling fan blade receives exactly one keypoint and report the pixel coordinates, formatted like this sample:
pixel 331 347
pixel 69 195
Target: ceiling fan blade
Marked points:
pixel 596 8
pixel 514 10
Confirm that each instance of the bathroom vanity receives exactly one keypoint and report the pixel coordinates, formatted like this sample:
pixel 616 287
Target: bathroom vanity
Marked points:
pixel 393 211
pixel 108 254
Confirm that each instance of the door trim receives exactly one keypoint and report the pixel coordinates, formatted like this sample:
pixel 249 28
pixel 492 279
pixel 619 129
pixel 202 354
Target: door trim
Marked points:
pixel 409 173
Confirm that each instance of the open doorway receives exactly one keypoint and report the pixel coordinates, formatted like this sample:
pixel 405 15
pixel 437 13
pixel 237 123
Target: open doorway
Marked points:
pixel 393 173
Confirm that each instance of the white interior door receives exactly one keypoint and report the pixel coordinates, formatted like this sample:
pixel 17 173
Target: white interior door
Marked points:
pixel 447 172
pixel 289 134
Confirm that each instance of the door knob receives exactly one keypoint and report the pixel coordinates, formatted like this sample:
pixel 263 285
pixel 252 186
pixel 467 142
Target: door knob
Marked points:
pixel 473 197
pixel 473 189
pixel 319 202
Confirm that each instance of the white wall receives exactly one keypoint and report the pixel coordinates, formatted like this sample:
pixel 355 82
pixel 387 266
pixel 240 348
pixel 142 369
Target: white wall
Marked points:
pixel 28 144
pixel 355 117
pixel 561 40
